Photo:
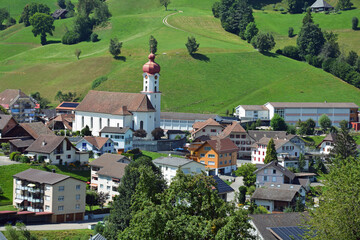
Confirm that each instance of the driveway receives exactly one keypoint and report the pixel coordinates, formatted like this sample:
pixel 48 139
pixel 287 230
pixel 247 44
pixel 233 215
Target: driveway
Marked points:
pixel 235 185
pixel 59 226
pixel 6 161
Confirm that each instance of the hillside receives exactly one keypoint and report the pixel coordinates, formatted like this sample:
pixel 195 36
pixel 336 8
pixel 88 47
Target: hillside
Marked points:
pixel 226 71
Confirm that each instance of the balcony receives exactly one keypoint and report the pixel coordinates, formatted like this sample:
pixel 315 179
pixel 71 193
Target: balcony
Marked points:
pixel 35 190
pixel 31 209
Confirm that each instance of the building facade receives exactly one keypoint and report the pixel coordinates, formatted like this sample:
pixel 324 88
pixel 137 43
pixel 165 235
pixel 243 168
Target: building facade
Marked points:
pixel 122 137
pixel 97 145
pixel 252 112
pixel 209 127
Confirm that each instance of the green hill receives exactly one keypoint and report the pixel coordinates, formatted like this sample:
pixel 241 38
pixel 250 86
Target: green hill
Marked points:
pixel 226 71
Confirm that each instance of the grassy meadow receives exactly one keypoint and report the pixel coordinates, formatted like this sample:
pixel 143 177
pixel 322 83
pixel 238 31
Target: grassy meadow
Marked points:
pixel 224 73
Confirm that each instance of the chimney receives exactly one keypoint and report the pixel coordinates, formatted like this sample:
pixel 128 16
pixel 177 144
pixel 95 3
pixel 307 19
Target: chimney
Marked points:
pixel 53 170
pixel 43 143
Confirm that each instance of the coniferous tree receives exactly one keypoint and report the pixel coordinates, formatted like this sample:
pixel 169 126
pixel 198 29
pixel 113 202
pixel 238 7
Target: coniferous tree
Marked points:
pixel 345 146
pixel 115 47
pixel 251 31
pixel 191 45
pixel 302 162
pixel 153 44
pixel 308 17
pixel 271 154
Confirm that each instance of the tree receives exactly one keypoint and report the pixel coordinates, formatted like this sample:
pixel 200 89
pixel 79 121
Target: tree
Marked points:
pixel 141 133
pixel 30 10
pixel 42 24
pixel 165 3
pixel 251 31
pixel 310 40
pixel 325 122
pixel 102 198
pixel 299 205
pixel 115 47
pixel 42 101
pixel 4 14
pixel 92 199
pixel 337 216
pixel 191 45
pixel 3 110
pixel 352 58
pixel 308 17
pixel 242 194
pixel 354 23
pixel 153 44
pixel 77 53
pixel 295 6
pixel 216 9
pixel 271 154
pixel 277 123
pixel 344 145
pixel 264 42
pixel 85 7
pixel 307 127
pixel 247 172
pixel 83 26
pixel 157 133
pixel 86 131
pixel 18 232
pixel 344 4
pixel 331 47
pixel 70 6
pixel 302 162
pixel 66 97
pixel 291 32
pixel 61 3
pixel 102 13
pixel 1 191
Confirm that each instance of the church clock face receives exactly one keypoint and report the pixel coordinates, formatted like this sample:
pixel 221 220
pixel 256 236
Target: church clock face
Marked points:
pixel 156 77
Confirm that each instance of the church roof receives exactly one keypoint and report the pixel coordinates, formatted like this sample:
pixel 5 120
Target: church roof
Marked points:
pixel 321 4
pixel 115 103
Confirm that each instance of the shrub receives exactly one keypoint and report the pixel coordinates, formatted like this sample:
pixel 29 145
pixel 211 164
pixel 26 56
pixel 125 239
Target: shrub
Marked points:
pixel 291 52
pixel 242 194
pixel 250 190
pixel 98 81
pixel 24 159
pixel 191 45
pixel 355 22
pixel 17 157
pixel 70 37
pixel 279 51
pixel 215 9
pixel 314 61
pixel 94 37
pixel 291 32
pixel 13 154
pixel 10 21
pixel 5 147
pixel 328 64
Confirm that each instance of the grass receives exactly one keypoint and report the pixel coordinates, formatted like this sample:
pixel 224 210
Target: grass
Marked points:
pixel 63 234
pixel 155 155
pixel 7 208
pixel 224 73
pixel 313 140
pixel 6 179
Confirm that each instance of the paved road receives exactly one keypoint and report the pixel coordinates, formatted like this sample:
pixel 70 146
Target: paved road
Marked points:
pixel 6 161
pixel 59 226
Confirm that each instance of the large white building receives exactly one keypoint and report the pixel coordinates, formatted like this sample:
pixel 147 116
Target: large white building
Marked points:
pixel 101 109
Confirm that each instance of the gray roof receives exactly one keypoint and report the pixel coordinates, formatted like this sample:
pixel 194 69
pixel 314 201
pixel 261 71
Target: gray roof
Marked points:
pixel 222 186
pixel 173 161
pixel 34 175
pixel 257 135
pixel 112 165
pixel 98 236
pixel 277 166
pixel 292 187
pixel 313 104
pixel 274 194
pixel 254 107
pixel 22 142
pixel 4 119
pixel 46 144
pixel 265 221
pixel 114 130
pixel 186 116
pixel 321 4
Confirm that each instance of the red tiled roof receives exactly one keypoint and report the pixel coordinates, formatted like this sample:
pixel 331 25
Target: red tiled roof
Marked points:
pixel 35 129
pixel 200 125
pixel 235 127
pixel 97 142
pixel 221 145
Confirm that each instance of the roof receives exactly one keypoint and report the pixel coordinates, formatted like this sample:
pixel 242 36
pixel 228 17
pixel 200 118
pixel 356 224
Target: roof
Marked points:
pixel 274 194
pixel 112 165
pixel 97 236
pixel 265 221
pixel 35 129
pixel 285 186
pixel 46 143
pixel 278 142
pixel 186 116
pixel 67 105
pixel 49 113
pixel 197 126
pixel 222 186
pixel 277 166
pixel 34 175
pixel 289 233
pixel 235 127
pixel 115 130
pixel 257 135
pixel 8 96
pixel 305 174
pixel 4 120
pixel 58 13
pixel 313 104
pixel 151 67
pixel 173 161
pixel 254 107
pixel 321 4
pixel 66 119
pixel 222 145
pixel 97 142
pixel 171 131
pixel 115 103
pixel 21 143
pixel 2 237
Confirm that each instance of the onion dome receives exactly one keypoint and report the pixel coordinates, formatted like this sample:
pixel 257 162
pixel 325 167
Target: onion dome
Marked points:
pixel 151 67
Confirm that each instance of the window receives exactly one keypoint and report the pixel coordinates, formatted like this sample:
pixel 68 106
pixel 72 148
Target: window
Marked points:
pixel 108 188
pixel 265 171
pixel 77 196
pixel 77 206
pixel 203 130
pixel 207 148
pixel 202 154
pixel 114 189
pixel 141 124
pixel 77 187
pixel 100 125
pixel 274 171
pixel 203 162
pixel 117 137
pixel 101 185
pixel 231 135
pixel 68 146
pixel 47 207
pixel 58 157
pixel 243 136
pixel 47 198
pixel 225 154
pixel 237 142
pixel 211 163
pixel 61 198
pixel 61 188
pixel 211 155
pixel 265 178
pixel 274 179
pixel 69 156
pixel 237 136
pixel 225 162
pixel 91 122
pixel 60 208
pixel 213 130
pixel 108 122
pixel 229 162
pixel 82 121
pixel 47 188
pixel 221 162
pixel 106 144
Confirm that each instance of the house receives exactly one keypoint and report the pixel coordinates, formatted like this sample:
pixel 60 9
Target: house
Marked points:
pixel 239 136
pixel 97 145
pixel 169 165
pixel 20 144
pixel 107 172
pixel 219 156
pixel 59 14
pixel 116 109
pixel 182 121
pixel 7 122
pixel 252 112
pixel 274 173
pixel 122 137
pixel 56 150
pixel 174 134
pixel 36 129
pixel 276 196
pixel 61 197
pixel 22 107
pixel 62 122
pixel 275 226
pixel 320 6
pixel 327 144
pixel 209 127
pixel 222 187
pixel 66 108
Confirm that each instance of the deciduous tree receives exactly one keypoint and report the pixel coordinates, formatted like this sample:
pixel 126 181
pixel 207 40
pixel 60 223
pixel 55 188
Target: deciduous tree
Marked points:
pixel 157 133
pixel 92 199
pixel 165 3
pixel 115 47
pixel 325 122
pixel 247 172
pixel 191 45
pixel 302 162
pixel 277 123
pixel 344 4
pixel 4 14
pixel 271 154
pixel 42 24
pixel 251 31
pixel 86 131
pixel 264 42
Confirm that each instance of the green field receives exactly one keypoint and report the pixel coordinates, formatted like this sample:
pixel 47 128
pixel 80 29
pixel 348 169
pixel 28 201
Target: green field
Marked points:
pixel 224 73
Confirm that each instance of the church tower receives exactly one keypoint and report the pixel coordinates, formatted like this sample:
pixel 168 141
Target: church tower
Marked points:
pixel 151 79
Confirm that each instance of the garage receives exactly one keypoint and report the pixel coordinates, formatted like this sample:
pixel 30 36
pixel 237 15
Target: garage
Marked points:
pixel 70 217
pixel 79 216
pixel 60 218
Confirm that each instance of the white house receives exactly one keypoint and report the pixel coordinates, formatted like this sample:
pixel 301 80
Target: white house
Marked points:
pixel 252 112
pixel 327 144
pixel 274 173
pixel 107 172
pixel 169 166
pixel 98 145
pixel 116 109
pixel 122 137
pixel 56 150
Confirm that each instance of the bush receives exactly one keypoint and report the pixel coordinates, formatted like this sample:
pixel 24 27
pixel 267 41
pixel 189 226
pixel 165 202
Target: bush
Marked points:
pixel 13 154
pixel 98 81
pixel 24 159
pixel 355 22
pixel 291 52
pixel 314 61
pixel 17 157
pixel 242 194
pixel 5 147
pixel 250 190
pixel 291 32
pixel 10 22
pixel 215 9
pixel 94 37
pixel 328 64
pixel 70 37
pixel 279 51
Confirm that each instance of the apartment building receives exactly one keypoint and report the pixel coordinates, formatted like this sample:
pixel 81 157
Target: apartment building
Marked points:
pixel 252 112
pixel 60 196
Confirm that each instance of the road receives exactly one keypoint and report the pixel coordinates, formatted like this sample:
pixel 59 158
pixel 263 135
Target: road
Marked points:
pixel 59 226
pixel 6 161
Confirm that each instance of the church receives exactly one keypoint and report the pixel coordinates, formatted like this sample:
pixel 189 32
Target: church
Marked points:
pixel 101 109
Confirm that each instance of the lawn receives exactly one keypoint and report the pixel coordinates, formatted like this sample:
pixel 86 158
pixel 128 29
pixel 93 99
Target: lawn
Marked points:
pixel 63 234
pixel 155 155
pixel 224 73
pixel 6 179
pixel 313 140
